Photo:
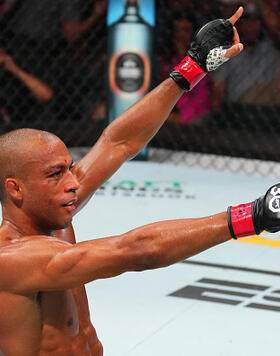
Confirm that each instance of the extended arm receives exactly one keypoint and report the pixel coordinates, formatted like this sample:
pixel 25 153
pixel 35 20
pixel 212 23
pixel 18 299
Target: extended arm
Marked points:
pixel 45 263
pixel 49 264
pixel 132 130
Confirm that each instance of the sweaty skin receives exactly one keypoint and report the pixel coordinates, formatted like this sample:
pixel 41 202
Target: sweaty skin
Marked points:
pixel 44 305
pixel 67 329
pixel 44 322
pixel 44 308
pixel 48 323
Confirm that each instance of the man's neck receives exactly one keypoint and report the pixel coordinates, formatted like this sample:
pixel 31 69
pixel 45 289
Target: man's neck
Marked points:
pixel 17 229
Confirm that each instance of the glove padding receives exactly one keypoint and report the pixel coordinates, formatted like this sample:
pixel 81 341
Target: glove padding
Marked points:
pixel 253 218
pixel 215 34
pixel 206 53
pixel 266 211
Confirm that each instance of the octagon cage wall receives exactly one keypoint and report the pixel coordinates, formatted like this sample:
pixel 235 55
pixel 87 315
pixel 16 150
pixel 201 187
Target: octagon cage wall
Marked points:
pixel 53 73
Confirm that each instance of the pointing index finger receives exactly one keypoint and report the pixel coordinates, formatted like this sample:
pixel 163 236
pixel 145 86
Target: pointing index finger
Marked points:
pixel 234 18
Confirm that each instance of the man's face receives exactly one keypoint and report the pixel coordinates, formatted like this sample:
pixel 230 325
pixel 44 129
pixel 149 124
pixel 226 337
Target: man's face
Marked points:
pixel 49 190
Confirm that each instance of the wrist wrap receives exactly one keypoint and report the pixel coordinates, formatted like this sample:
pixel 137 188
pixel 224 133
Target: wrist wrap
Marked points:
pixel 240 221
pixel 191 72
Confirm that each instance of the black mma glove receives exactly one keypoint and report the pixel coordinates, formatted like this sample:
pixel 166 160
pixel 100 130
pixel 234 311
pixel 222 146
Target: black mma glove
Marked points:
pixel 253 218
pixel 206 53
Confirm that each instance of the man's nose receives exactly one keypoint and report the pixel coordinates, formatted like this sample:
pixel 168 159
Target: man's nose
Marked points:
pixel 72 182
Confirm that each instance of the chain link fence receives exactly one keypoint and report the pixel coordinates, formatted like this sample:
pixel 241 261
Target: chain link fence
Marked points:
pixel 53 75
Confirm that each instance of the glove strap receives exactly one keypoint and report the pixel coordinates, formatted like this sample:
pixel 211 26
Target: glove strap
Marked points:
pixel 240 221
pixel 191 72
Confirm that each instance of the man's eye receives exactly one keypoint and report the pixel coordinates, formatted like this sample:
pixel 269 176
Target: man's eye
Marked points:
pixel 55 174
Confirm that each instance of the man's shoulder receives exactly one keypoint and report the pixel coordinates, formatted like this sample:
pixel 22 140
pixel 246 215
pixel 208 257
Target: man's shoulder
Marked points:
pixel 9 243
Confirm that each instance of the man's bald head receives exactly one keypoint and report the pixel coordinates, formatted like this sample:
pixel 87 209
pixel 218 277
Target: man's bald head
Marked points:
pixel 16 149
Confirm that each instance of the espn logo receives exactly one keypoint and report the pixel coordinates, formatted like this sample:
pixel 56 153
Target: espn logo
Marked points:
pixel 232 293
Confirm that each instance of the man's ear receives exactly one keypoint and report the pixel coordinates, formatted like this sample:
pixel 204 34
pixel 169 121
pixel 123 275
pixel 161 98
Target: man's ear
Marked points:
pixel 13 189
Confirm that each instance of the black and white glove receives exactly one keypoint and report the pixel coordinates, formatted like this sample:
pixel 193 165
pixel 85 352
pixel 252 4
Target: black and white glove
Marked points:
pixel 253 218
pixel 207 52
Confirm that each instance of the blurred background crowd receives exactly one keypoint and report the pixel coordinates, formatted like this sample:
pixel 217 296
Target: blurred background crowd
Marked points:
pixel 53 59
pixel 250 79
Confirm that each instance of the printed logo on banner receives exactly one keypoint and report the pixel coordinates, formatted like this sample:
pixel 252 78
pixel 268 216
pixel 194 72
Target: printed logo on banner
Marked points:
pixel 147 189
pixel 233 293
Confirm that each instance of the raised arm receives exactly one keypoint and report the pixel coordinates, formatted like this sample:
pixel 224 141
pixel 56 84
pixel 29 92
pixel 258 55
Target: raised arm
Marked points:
pixel 40 90
pixel 73 30
pixel 133 129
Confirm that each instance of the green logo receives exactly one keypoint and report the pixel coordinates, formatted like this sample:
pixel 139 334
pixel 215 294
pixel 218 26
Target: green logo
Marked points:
pixel 147 189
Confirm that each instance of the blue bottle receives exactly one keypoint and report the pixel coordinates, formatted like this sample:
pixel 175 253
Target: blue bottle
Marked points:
pixel 130 50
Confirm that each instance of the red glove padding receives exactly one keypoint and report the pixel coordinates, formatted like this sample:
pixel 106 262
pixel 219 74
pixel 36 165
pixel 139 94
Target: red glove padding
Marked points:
pixel 191 71
pixel 253 218
pixel 240 220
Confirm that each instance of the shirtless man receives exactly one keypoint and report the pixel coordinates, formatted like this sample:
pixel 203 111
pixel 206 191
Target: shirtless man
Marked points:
pixel 44 309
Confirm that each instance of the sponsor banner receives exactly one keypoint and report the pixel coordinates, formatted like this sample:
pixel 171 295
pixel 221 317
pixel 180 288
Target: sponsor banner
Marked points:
pixel 147 189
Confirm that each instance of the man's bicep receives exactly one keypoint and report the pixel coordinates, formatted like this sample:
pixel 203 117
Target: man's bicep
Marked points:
pixel 87 261
pixel 52 265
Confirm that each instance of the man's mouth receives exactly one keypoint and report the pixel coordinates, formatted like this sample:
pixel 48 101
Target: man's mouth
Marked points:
pixel 70 206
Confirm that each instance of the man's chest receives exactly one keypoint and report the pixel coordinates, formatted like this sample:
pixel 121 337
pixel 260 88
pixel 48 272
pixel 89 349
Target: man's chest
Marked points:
pixel 60 312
